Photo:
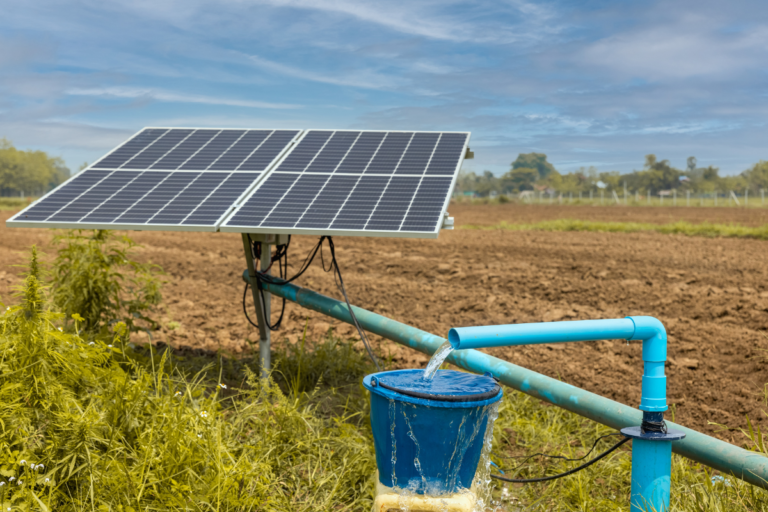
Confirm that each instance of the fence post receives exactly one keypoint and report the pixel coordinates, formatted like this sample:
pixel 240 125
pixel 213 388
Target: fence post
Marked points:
pixel 649 197
pixel 661 199
pixel 762 196
pixel 701 197
pixel 570 197
pixel 746 197
pixel 590 196
pixel 687 198
pixel 601 196
pixel 715 197
pixel 637 196
pixel 674 197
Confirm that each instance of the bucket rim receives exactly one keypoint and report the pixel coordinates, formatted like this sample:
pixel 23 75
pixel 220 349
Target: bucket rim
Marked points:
pixel 416 398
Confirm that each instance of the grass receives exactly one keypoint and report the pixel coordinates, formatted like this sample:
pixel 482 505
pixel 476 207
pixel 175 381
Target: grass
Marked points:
pixel 93 424
pixel 14 203
pixel 704 229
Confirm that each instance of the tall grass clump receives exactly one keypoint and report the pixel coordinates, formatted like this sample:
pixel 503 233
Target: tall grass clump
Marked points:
pixel 85 425
pixel 96 276
pixel 704 229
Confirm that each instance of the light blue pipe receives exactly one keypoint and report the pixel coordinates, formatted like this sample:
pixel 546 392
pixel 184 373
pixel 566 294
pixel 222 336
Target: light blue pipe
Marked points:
pixel 651 453
pixel 752 467
pixel 641 328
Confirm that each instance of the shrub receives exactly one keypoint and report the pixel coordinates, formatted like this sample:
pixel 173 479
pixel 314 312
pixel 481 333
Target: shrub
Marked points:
pixel 95 276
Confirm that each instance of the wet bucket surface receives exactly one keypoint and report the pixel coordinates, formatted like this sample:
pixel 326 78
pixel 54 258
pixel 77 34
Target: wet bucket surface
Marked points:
pixel 429 435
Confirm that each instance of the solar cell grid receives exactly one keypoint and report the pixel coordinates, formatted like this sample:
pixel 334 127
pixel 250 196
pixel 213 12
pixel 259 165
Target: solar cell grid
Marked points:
pixel 357 182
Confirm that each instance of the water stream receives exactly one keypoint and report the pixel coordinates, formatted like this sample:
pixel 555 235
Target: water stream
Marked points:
pixel 437 360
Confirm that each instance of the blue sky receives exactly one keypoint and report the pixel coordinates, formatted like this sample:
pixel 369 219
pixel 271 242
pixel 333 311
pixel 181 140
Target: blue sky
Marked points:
pixel 588 83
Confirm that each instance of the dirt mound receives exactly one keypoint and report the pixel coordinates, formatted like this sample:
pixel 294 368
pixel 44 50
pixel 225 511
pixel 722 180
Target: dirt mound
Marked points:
pixel 712 294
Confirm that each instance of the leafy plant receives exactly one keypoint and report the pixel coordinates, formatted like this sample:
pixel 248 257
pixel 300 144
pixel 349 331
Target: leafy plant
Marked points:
pixel 95 276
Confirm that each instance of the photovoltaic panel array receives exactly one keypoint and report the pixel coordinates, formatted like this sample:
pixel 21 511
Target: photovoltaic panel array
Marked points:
pixel 162 178
pixel 357 183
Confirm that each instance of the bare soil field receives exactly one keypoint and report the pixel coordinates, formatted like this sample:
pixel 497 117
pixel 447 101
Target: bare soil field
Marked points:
pixel 712 295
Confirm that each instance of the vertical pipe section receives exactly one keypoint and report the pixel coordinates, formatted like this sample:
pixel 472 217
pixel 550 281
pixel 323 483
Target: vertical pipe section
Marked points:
pixel 749 466
pixel 651 470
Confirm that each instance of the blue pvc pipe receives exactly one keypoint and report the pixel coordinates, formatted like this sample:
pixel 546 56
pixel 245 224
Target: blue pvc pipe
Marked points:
pixel 752 467
pixel 642 328
pixel 651 471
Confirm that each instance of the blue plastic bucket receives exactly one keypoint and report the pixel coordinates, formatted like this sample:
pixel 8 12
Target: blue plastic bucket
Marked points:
pixel 429 435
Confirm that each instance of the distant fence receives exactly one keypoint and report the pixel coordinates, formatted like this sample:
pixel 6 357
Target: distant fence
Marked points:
pixel 604 197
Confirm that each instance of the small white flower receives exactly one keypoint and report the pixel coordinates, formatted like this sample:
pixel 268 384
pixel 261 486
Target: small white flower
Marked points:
pixel 47 480
pixel 199 435
pixel 204 414
pixel 61 330
pixel 178 393
pixel 22 462
pixel 12 479
pixel 223 386
pixel 109 346
pixel 20 482
pixel 40 466
pixel 91 343
pixel 2 484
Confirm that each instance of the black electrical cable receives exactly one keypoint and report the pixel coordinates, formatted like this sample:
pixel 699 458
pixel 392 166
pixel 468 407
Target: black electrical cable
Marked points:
pixel 526 458
pixel 282 253
pixel 561 475
pixel 653 426
pixel 340 285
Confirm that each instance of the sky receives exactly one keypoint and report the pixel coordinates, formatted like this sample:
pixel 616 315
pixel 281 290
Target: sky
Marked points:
pixel 589 83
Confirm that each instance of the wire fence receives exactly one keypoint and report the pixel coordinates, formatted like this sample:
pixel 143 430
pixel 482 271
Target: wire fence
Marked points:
pixel 608 197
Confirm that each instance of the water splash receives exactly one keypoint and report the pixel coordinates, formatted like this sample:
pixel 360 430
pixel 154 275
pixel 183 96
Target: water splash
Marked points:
pixel 437 360
pixel 482 483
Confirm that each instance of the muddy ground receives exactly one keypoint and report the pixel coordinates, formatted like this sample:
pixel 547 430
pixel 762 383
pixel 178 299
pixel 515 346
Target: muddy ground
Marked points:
pixel 712 294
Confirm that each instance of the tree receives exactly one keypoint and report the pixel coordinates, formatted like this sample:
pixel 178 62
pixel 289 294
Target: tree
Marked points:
pixel 536 161
pixel 28 172
pixel 757 176
pixel 519 179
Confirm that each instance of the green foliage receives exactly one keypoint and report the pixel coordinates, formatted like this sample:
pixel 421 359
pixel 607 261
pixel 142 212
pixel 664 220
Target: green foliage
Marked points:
pixel 537 161
pixel 526 427
pixel 704 229
pixel 519 179
pixel 87 425
pixel 95 276
pixel 31 173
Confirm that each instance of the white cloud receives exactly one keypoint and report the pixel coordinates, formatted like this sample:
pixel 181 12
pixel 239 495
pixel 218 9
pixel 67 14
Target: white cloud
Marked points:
pixel 684 48
pixel 159 95
pixel 364 79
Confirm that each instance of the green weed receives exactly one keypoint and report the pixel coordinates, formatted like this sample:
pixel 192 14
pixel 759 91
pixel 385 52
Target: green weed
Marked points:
pixel 704 229
pixel 96 276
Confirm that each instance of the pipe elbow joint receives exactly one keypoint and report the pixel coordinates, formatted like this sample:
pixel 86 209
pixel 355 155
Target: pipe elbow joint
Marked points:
pixel 652 333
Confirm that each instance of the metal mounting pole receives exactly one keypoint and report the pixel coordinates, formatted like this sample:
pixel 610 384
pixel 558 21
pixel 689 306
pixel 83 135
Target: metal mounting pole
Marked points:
pixel 261 309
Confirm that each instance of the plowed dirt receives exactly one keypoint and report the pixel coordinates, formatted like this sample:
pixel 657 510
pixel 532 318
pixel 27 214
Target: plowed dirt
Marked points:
pixel 712 295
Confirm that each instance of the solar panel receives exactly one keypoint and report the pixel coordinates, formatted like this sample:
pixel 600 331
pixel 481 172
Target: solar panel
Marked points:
pixel 164 179
pixel 369 183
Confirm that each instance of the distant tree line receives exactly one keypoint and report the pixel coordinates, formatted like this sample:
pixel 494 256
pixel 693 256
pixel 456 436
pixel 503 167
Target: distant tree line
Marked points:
pixel 29 173
pixel 531 171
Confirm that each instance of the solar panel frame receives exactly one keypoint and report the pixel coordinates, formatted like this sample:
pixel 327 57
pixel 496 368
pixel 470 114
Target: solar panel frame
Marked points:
pixel 17 220
pixel 401 233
